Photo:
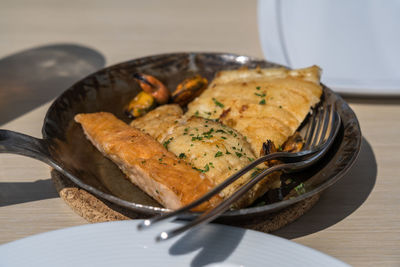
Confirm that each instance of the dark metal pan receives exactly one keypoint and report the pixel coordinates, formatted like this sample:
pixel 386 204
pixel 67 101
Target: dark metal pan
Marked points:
pixel 65 148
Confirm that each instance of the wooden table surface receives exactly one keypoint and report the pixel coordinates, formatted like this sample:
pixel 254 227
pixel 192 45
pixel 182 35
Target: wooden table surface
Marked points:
pixel 357 220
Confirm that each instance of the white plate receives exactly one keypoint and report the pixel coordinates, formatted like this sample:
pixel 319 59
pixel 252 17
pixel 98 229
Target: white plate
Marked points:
pixel 120 244
pixel 355 42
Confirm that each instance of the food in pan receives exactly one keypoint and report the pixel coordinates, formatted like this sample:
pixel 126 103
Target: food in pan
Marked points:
pixel 168 179
pixel 242 114
pixel 189 89
pixel 262 104
pixel 210 147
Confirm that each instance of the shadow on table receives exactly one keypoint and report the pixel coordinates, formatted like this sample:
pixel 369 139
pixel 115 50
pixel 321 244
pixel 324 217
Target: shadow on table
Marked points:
pixel 21 192
pixel 32 77
pixel 339 201
pixel 212 244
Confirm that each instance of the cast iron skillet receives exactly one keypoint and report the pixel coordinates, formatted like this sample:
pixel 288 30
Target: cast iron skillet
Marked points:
pixel 65 148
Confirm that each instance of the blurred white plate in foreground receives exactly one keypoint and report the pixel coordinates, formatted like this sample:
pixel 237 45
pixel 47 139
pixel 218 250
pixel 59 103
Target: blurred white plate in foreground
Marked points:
pixel 357 42
pixel 120 244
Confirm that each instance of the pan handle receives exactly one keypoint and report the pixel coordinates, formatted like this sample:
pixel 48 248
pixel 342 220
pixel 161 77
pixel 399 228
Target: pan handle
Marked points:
pixel 22 144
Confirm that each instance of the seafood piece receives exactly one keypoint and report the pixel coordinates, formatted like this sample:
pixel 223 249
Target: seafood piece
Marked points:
pixel 153 86
pixel 189 89
pixel 159 173
pixel 139 105
pixel 294 143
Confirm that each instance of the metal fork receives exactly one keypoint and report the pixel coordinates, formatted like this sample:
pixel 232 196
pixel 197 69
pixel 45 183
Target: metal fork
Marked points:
pixel 320 133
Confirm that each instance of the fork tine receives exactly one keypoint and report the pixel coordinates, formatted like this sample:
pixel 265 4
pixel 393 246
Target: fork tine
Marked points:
pixel 328 117
pixel 324 120
pixel 310 130
pixel 317 130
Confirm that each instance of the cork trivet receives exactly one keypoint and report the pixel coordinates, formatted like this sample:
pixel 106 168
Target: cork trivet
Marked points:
pixel 96 210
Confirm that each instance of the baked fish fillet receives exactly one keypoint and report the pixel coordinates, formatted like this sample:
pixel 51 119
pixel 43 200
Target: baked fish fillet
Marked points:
pixel 261 104
pixel 157 121
pixel 159 173
pixel 211 147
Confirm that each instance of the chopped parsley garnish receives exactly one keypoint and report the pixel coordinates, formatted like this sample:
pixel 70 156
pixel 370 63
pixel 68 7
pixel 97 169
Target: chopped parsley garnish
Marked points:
pixel 219 104
pixel 232 133
pixel 227 152
pixel 194 138
pixel 260 95
pixel 220 131
pixel 223 137
pixel 250 159
pixel 210 131
pixel 186 129
pixel 143 161
pixel 258 87
pixel 280 148
pixel 182 155
pixel 255 172
pixel 280 106
pixel 196 113
pixel 206 168
pixel 218 154
pixel 239 155
pixel 262 102
pixel 166 143
pixel 300 189
pixel 208 134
